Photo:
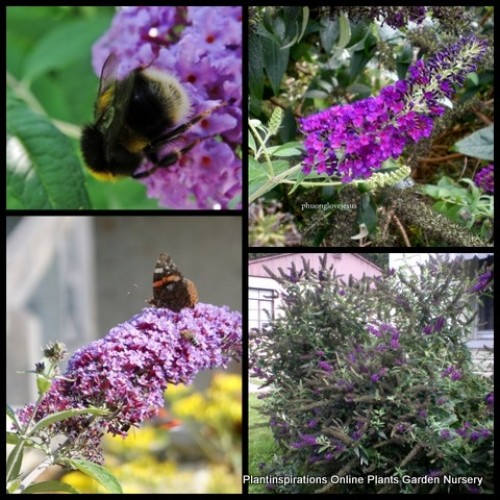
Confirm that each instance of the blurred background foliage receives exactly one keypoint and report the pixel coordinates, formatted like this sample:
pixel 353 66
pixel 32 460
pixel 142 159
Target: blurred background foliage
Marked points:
pixel 194 446
pixel 305 59
pixel 49 72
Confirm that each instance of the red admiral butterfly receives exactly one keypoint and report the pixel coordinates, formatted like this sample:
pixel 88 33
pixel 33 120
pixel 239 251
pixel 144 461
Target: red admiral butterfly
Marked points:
pixel 170 289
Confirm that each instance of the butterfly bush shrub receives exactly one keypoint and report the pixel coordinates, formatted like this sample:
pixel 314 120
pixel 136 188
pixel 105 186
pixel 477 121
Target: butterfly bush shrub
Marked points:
pixel 374 378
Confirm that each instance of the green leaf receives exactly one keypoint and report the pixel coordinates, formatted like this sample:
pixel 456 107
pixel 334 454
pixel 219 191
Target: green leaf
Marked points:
pixel 43 384
pixel 275 62
pixel 255 66
pixel 257 178
pixel 13 438
pixel 345 32
pixel 258 186
pixel 305 19
pixel 100 474
pixel 288 129
pixel 14 461
pixel 251 142
pixel 359 31
pixel 316 94
pixel 359 60
pixel 329 32
pixel 65 43
pixel 285 150
pixel 63 415
pixel 403 61
pixel 43 170
pixel 53 486
pixel 478 145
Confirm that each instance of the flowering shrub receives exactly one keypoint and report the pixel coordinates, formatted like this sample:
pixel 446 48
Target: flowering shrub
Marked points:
pixel 372 378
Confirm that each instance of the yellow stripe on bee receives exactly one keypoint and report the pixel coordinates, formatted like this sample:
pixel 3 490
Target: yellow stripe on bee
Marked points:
pixel 104 176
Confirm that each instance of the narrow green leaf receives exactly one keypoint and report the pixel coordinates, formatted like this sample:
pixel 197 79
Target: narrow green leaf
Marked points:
pixel 13 438
pixel 251 142
pixel 53 486
pixel 344 31
pixel 262 185
pixel 255 66
pixel 14 461
pixel 285 150
pixel 359 31
pixel 329 32
pixel 63 415
pixel 100 474
pixel 257 178
pixel 43 170
pixel 305 18
pixel 288 129
pixel 275 62
pixel 316 94
pixel 299 178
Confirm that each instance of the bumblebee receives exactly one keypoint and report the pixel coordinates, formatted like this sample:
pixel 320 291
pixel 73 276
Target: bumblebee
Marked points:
pixel 136 117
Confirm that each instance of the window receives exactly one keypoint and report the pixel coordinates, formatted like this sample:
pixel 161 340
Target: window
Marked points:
pixel 483 329
pixel 260 307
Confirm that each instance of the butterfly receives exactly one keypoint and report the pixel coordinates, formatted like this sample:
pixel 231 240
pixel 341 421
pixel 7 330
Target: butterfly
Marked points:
pixel 170 289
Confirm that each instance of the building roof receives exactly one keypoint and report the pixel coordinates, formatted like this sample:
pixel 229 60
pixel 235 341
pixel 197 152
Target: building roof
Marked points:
pixel 344 263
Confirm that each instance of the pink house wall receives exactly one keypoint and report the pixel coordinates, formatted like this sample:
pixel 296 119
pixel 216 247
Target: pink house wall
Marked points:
pixel 344 263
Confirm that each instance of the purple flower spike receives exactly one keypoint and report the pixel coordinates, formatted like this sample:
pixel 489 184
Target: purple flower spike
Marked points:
pixel 202 48
pixel 352 141
pixel 326 367
pixel 490 399
pixel 482 282
pixel 127 371
pixel 485 179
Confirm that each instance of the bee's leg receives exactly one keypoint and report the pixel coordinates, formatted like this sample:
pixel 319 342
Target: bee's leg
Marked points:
pixel 169 159
pixel 178 131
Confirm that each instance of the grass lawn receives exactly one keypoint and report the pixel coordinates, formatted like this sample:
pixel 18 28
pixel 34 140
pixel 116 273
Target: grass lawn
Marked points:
pixel 261 443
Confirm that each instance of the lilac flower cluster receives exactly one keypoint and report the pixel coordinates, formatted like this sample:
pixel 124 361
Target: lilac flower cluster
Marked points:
pixel 386 328
pixel 127 371
pixel 435 327
pixel 352 141
pixel 202 47
pixel 359 431
pixel 452 373
pixel 485 179
pixel 489 400
pixel 482 282
pixel 472 434
pixel 304 441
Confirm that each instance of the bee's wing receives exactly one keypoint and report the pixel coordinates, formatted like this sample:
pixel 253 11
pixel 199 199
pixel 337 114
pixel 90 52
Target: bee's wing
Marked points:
pixel 112 100
pixel 107 87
